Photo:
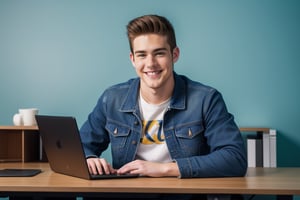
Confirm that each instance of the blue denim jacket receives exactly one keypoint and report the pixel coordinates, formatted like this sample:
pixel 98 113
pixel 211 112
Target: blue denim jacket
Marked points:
pixel 201 135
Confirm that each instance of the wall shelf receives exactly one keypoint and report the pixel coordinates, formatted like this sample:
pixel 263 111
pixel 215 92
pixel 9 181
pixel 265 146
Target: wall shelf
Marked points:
pixel 19 144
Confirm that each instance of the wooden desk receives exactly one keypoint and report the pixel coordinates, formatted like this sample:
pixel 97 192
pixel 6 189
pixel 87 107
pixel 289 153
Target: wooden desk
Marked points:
pixel 271 181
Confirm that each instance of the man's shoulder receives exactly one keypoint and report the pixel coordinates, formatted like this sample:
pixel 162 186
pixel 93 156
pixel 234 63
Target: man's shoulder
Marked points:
pixel 122 89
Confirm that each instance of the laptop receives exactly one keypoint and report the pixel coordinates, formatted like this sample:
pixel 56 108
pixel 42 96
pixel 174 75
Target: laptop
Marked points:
pixel 62 144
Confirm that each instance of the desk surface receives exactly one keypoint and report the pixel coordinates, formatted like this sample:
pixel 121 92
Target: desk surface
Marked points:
pixel 280 181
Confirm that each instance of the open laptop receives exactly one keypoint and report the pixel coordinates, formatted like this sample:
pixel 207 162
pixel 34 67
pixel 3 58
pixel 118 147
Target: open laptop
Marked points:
pixel 63 147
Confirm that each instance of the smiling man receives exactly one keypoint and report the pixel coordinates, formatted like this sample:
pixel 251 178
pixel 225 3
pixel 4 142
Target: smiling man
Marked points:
pixel 162 123
pixel 153 60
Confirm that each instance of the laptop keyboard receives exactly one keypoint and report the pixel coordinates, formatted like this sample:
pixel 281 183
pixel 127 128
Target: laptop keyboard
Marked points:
pixel 111 176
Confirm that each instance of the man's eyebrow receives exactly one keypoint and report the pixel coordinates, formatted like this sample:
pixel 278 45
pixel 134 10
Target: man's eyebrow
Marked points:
pixel 160 49
pixel 139 51
pixel 155 50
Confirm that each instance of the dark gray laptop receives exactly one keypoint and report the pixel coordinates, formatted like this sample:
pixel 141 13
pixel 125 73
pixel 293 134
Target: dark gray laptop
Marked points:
pixel 63 147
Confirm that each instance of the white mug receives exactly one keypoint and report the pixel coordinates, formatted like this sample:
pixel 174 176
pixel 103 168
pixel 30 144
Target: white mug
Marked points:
pixel 25 117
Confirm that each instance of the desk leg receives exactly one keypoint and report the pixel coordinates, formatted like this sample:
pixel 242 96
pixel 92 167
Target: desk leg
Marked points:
pixel 284 197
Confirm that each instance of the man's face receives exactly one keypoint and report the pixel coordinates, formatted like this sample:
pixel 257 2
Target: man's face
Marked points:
pixel 153 61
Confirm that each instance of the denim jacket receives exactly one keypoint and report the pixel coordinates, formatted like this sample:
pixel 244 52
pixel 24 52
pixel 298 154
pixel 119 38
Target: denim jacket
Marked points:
pixel 201 135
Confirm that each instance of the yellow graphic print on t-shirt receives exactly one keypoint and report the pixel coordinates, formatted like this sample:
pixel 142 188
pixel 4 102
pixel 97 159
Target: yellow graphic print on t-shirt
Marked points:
pixel 152 132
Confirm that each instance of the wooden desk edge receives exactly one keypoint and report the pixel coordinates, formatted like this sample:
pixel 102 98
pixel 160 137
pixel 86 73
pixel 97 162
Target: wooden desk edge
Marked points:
pixel 78 190
pixel 49 181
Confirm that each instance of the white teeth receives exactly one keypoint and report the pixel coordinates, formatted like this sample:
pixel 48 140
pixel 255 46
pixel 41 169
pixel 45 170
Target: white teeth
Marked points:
pixel 152 73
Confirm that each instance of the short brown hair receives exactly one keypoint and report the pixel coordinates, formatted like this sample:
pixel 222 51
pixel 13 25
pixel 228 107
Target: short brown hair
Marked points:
pixel 151 24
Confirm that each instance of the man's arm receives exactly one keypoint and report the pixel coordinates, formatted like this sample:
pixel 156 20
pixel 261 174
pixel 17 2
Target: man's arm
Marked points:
pixel 227 156
pixel 153 169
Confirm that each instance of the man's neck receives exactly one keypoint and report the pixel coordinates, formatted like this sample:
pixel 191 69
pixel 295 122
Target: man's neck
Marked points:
pixel 156 96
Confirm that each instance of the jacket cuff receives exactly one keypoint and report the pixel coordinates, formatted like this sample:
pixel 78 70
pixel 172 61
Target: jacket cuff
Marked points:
pixel 185 167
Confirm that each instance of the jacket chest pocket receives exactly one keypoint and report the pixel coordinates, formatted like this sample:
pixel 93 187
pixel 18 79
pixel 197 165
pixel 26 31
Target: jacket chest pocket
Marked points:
pixel 191 139
pixel 118 134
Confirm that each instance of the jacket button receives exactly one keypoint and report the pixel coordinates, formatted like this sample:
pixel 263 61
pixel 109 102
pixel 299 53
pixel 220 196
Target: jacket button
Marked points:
pixel 116 131
pixel 136 123
pixel 133 142
pixel 190 133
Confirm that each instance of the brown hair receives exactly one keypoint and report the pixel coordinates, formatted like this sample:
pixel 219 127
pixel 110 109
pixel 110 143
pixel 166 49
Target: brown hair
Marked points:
pixel 151 24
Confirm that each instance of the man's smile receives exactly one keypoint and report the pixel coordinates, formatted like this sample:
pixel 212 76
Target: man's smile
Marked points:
pixel 153 73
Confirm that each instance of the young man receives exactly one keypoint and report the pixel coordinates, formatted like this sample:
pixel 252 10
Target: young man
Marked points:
pixel 161 123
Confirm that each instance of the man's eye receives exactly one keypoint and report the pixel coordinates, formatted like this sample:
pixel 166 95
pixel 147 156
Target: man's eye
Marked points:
pixel 160 53
pixel 140 55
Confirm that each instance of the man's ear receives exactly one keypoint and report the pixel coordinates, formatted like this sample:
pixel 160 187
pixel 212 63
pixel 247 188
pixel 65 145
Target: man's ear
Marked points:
pixel 131 56
pixel 176 53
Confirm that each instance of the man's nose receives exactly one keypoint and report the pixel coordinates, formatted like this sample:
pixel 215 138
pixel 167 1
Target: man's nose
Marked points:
pixel 150 61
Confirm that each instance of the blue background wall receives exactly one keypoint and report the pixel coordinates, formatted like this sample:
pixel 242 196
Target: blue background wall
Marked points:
pixel 60 55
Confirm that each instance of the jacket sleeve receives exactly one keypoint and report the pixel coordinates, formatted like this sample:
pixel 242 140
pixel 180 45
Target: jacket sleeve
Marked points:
pixel 94 137
pixel 227 155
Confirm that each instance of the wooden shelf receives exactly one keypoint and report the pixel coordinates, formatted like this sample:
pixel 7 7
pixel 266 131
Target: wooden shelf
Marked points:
pixel 255 129
pixel 19 143
pixel 29 128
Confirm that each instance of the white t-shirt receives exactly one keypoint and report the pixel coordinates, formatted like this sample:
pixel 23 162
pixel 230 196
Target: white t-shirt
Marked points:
pixel 153 146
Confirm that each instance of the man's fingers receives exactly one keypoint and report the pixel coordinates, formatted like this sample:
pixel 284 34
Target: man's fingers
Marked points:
pixel 103 166
pixel 99 166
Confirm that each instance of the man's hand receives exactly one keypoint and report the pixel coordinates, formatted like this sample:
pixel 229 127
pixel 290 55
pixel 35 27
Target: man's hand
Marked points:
pixel 99 166
pixel 147 168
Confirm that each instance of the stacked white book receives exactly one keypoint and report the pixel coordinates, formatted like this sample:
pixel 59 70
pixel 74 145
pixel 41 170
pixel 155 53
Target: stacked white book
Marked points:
pixel 261 149
pixel 255 150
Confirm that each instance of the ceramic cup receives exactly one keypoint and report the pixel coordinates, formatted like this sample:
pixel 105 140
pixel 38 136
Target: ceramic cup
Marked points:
pixel 25 117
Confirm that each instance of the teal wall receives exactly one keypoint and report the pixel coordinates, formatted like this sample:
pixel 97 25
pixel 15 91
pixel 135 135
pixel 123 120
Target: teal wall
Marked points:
pixel 60 55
